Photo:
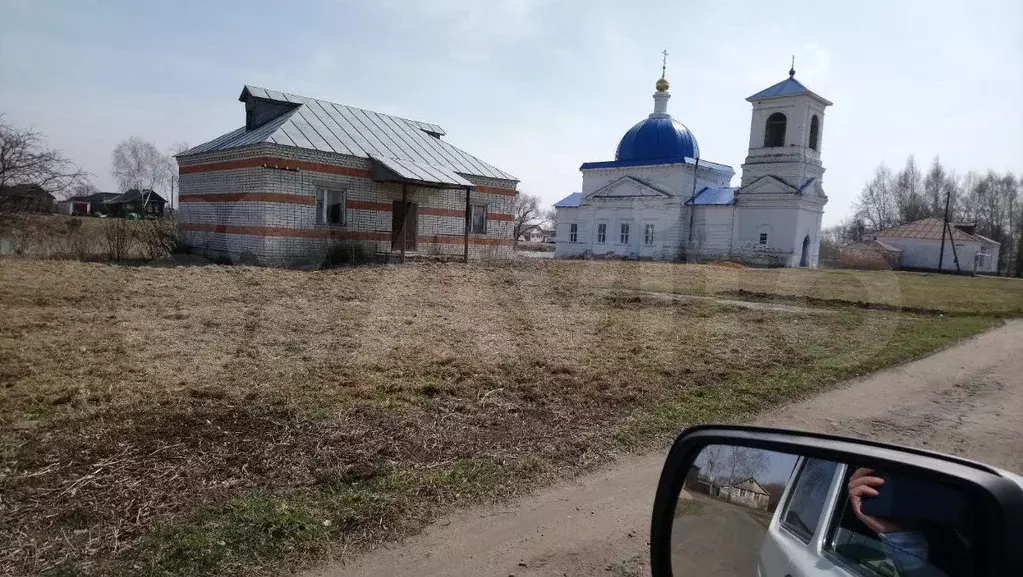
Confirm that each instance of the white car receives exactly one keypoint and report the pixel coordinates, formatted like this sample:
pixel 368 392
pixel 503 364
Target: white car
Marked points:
pixel 814 531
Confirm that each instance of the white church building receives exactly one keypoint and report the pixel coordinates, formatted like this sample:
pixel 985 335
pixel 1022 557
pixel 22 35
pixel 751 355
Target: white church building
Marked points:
pixel 659 200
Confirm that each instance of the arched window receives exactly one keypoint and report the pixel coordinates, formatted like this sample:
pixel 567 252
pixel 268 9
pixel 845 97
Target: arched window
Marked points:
pixel 815 130
pixel 774 134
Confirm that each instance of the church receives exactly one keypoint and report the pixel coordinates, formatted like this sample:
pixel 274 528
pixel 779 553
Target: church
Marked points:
pixel 658 199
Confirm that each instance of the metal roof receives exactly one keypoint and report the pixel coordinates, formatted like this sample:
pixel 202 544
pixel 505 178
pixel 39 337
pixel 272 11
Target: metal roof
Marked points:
pixel 788 87
pixel 657 138
pixel 413 172
pixel 928 229
pixel 713 195
pixel 330 127
pixel 683 160
pixel 570 201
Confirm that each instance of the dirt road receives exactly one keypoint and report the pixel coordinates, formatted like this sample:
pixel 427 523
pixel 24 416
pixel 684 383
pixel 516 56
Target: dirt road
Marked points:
pixel 967 400
pixel 727 535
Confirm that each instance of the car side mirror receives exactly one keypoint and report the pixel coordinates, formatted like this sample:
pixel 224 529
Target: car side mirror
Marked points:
pixel 774 503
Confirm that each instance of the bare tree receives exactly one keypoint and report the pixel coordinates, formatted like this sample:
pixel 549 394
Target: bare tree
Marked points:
pixel 908 192
pixel 744 462
pixel 876 205
pixel 137 164
pixel 25 159
pixel 527 215
pixel 83 189
pixel 935 187
pixel 713 459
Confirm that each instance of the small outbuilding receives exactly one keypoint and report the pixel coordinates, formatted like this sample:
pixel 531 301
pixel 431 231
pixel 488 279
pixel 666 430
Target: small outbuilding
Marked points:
pixel 921 245
pixel 87 204
pixel 871 254
pixel 304 176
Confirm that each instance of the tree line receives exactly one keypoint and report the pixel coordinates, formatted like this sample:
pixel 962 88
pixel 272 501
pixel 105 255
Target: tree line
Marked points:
pixel 992 201
pixel 135 163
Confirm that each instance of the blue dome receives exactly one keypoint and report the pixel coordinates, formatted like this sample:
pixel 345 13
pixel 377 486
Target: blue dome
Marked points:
pixel 657 138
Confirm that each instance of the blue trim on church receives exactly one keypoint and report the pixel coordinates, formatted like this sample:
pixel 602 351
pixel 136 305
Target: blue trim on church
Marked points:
pixel 713 195
pixel 620 164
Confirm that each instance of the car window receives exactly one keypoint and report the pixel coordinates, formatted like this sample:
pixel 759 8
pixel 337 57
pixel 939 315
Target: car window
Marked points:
pixel 938 550
pixel 806 500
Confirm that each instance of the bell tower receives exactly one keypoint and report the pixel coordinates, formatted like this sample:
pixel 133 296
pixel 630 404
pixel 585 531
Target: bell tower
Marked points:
pixel 786 134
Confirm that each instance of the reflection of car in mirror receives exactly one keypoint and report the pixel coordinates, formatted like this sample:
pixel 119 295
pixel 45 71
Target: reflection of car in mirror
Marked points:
pixel 741 501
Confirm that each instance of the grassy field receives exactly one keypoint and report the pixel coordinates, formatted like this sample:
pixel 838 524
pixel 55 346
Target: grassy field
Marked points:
pixel 237 420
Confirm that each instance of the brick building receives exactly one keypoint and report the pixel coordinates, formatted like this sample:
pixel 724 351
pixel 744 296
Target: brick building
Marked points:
pixel 303 175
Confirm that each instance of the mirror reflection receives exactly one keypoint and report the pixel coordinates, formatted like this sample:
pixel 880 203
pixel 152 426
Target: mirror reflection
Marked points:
pixel 745 511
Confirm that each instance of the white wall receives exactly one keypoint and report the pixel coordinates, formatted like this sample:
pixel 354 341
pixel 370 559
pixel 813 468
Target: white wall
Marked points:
pixel 675 178
pixel 712 231
pixel 668 215
pixel 923 253
pixel 663 213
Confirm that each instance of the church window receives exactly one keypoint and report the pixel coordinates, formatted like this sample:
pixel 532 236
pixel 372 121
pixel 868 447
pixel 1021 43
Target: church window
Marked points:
pixel 815 130
pixel 573 232
pixel 648 234
pixel 774 133
pixel 602 233
pixel 624 239
pixel 763 238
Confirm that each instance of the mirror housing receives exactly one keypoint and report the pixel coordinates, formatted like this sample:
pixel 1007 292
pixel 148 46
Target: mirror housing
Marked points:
pixel 998 494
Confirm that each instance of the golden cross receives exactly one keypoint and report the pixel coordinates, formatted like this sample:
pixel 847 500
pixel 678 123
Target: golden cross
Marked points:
pixel 664 63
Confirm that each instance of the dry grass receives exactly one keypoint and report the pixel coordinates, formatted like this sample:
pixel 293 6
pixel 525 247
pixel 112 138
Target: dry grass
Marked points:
pixel 924 292
pixel 63 237
pixel 202 420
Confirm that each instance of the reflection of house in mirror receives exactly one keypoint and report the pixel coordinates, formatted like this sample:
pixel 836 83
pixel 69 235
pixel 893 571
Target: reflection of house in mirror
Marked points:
pixel 748 493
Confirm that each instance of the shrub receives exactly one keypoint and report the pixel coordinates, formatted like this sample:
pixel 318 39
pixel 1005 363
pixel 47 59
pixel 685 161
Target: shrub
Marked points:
pixel 345 253
pixel 158 237
pixel 119 234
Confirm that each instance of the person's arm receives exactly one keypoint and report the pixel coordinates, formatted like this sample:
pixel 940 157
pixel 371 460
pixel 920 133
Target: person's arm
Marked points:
pixel 907 551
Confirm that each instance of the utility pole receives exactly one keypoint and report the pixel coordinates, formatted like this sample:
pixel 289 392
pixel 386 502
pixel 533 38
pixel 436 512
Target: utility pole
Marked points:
pixel 944 227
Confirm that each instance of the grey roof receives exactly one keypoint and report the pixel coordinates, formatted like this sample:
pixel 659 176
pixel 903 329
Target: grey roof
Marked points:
pixel 135 195
pixel 328 127
pixel 408 171
pixel 788 87
pixel 714 195
pixel 95 197
pixel 570 201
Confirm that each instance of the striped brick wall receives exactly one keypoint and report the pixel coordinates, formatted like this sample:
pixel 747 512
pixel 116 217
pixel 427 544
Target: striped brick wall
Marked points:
pixel 260 202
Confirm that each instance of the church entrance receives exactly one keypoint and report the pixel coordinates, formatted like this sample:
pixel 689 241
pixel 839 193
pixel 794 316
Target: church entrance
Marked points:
pixel 805 259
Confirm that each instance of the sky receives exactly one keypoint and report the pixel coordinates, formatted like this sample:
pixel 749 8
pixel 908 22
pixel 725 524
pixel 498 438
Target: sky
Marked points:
pixel 533 87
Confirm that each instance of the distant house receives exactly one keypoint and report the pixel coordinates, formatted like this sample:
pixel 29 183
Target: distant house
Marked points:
pixel 138 202
pixel 748 493
pixel 920 242
pixel 26 198
pixel 871 254
pixel 538 235
pixel 86 205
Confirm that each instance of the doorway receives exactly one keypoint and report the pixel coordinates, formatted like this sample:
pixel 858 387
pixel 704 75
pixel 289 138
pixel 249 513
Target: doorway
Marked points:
pixel 404 223
pixel 804 260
